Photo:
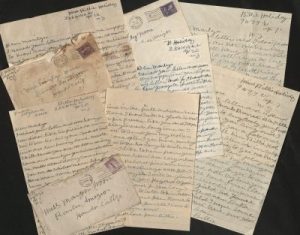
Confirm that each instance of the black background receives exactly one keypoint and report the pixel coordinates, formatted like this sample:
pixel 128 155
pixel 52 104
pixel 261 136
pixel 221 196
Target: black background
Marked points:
pixel 281 211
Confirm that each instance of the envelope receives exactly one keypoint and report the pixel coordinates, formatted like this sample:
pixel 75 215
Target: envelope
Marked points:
pixel 75 69
pixel 94 194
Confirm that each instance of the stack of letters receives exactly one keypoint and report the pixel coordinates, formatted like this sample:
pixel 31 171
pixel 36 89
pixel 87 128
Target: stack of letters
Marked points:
pixel 149 118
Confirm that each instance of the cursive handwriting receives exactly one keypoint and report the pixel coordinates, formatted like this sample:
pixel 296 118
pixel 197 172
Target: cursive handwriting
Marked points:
pixel 230 190
pixel 83 199
pixel 166 71
pixel 110 34
pixel 51 150
pixel 158 145
pixel 252 42
pixel 148 23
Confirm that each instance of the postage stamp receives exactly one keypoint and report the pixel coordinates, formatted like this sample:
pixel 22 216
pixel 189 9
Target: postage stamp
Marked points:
pixel 135 22
pixel 86 180
pixel 113 165
pixel 168 9
pixel 85 50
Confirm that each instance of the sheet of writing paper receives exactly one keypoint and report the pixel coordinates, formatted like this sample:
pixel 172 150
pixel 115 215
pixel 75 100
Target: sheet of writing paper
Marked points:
pixel 159 20
pixel 57 139
pixel 184 64
pixel 32 37
pixel 251 42
pixel 114 222
pixel 75 69
pixel 67 206
pixel 255 117
pixel 156 134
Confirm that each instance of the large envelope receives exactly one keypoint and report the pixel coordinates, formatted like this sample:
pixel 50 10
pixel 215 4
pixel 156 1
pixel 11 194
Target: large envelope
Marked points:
pixel 75 69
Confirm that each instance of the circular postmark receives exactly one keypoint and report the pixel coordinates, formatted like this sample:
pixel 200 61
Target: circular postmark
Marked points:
pixel 86 180
pixel 135 22
pixel 60 60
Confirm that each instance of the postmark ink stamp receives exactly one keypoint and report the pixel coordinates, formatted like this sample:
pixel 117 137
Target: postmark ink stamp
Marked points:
pixel 60 60
pixel 85 50
pixel 153 15
pixel 168 9
pixel 86 180
pixel 135 22
pixel 113 165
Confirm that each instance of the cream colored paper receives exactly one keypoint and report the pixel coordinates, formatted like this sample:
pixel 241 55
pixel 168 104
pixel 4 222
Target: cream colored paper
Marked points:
pixel 58 139
pixel 251 42
pixel 162 19
pixel 32 37
pixel 156 134
pixel 75 69
pixel 183 64
pixel 67 206
pixel 255 116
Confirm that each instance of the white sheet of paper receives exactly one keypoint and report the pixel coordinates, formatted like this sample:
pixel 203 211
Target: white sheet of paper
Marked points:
pixel 56 140
pixel 183 64
pixel 162 19
pixel 67 206
pixel 255 117
pixel 75 69
pixel 155 132
pixel 32 37
pixel 251 42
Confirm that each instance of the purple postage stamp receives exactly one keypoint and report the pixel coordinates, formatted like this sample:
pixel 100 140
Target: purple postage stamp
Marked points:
pixel 85 50
pixel 168 9
pixel 113 165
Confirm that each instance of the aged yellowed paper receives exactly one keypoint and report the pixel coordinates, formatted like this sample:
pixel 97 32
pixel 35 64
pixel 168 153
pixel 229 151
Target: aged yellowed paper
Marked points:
pixel 75 69
pixel 255 117
pixel 67 206
pixel 58 139
pixel 155 133
pixel 251 42
pixel 32 37
pixel 183 64
pixel 162 19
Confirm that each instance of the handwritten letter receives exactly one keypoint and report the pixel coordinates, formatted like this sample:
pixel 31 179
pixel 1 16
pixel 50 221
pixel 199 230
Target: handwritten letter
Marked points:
pixel 29 38
pixel 75 69
pixel 58 139
pixel 251 42
pixel 183 64
pixel 156 134
pixel 101 191
pixel 162 19
pixel 255 117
